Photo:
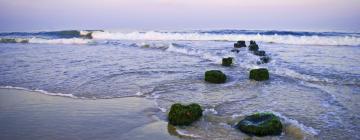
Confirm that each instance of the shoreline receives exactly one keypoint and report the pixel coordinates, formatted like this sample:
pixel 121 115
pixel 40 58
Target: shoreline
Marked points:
pixel 31 115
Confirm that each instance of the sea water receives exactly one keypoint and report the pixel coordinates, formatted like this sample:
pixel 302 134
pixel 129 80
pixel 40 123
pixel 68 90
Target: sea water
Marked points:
pixel 314 81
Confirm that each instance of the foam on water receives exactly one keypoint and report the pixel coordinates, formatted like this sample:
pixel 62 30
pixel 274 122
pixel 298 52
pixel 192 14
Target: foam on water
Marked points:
pixel 186 134
pixel 77 41
pixel 193 52
pixel 40 91
pixel 283 39
pixel 60 41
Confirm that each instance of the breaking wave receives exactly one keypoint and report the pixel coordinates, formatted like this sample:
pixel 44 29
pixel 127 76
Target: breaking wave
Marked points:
pixel 316 39
pixel 77 41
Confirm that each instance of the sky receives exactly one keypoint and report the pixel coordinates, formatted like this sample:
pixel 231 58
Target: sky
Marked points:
pixel 304 15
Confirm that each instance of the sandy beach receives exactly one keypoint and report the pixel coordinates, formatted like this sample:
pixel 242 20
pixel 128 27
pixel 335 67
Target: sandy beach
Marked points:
pixel 31 115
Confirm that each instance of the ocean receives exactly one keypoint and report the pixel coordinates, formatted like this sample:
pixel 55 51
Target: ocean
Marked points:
pixel 314 83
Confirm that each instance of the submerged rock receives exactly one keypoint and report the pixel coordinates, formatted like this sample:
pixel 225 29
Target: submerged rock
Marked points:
pixel 261 124
pixel 253 47
pixel 259 53
pixel 240 44
pixel 215 76
pixel 227 61
pixel 235 50
pixel 265 59
pixel 184 114
pixel 259 74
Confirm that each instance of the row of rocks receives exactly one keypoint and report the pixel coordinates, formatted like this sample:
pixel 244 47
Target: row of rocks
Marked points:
pixel 258 124
pixel 218 77
pixel 254 48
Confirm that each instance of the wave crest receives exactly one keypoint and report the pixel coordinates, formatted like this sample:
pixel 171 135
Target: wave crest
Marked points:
pixel 195 36
pixel 47 41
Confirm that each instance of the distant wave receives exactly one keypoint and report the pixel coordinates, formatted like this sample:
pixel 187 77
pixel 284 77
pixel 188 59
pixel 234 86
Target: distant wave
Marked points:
pixel 201 36
pixel 47 41
pixel 280 37
pixel 52 34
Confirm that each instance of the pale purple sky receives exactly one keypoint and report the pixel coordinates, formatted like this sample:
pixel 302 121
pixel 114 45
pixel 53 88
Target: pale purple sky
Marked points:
pixel 318 15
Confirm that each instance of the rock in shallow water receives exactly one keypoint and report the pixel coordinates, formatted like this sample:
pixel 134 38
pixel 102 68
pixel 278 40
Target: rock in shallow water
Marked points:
pixel 253 47
pixel 235 50
pixel 259 74
pixel 265 59
pixel 215 76
pixel 252 42
pixel 239 44
pixel 261 124
pixel 227 61
pixel 259 53
pixel 184 114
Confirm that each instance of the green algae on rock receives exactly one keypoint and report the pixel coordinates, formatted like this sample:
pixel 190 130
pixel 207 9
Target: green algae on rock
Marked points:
pixel 215 76
pixel 184 114
pixel 261 124
pixel 227 61
pixel 259 74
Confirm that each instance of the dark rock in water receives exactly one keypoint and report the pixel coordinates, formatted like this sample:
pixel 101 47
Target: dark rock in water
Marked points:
pixel 265 59
pixel 253 47
pixel 215 76
pixel 184 114
pixel 12 40
pixel 259 74
pixel 87 35
pixel 261 124
pixel 227 61
pixel 235 50
pixel 259 53
pixel 240 44
pixel 252 42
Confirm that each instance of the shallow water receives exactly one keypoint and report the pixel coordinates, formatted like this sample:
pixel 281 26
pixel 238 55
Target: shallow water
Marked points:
pixel 314 88
pixel 29 115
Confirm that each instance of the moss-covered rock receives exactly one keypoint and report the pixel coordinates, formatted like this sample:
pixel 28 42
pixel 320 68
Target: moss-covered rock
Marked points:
pixel 227 61
pixel 259 53
pixel 253 47
pixel 240 44
pixel 259 74
pixel 261 124
pixel 215 76
pixel 184 114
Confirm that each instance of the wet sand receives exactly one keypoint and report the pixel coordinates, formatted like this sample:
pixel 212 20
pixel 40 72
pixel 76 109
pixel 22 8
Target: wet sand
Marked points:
pixel 28 115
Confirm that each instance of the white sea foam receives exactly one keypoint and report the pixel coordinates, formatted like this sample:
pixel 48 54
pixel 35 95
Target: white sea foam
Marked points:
pixel 186 134
pixel 40 91
pixel 60 41
pixel 306 129
pixel 210 110
pixel 34 40
pixel 283 39
pixel 291 73
pixel 194 52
